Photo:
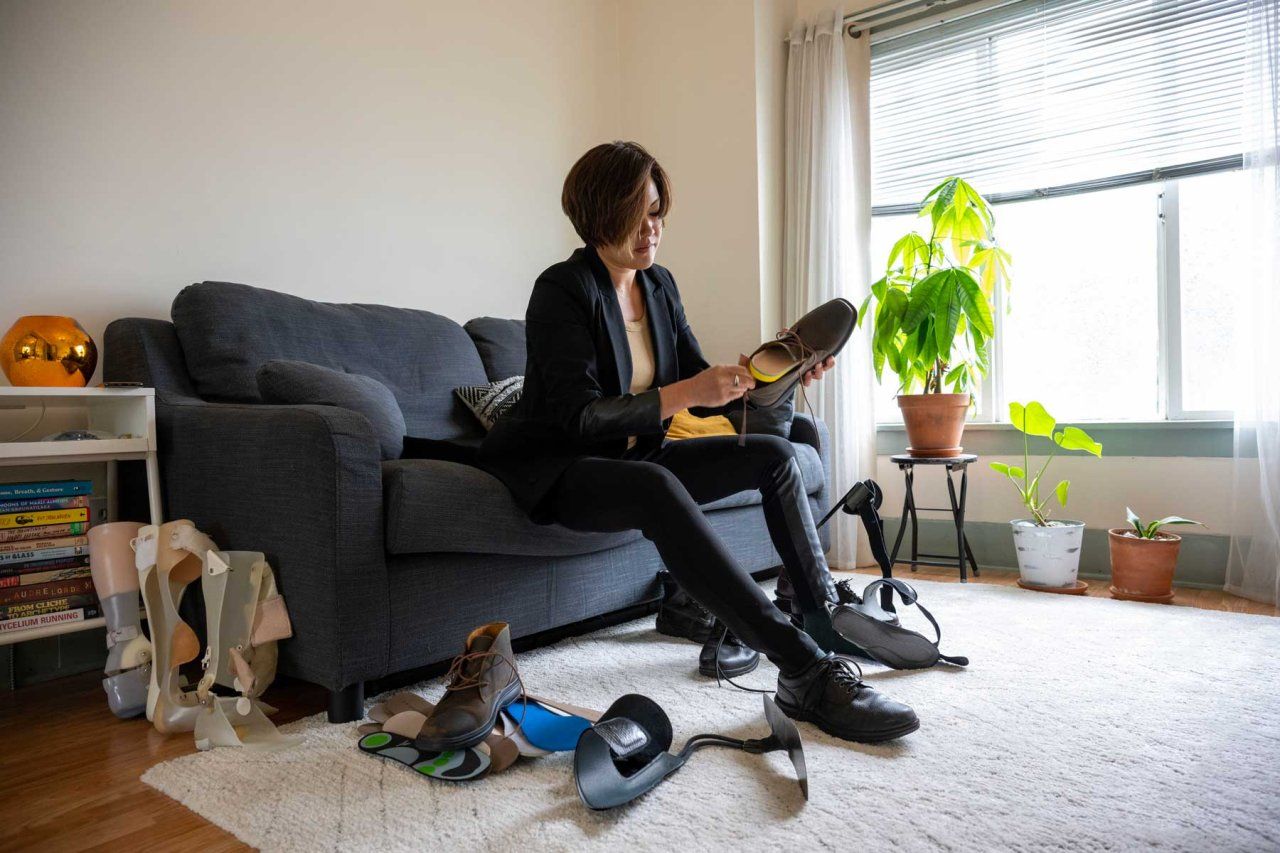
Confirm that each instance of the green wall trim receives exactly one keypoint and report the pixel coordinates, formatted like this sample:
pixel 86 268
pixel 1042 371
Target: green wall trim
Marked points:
pixel 1165 439
pixel 1202 562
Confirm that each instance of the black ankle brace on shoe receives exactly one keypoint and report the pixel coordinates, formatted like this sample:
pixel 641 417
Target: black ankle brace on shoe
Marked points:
pixel 626 753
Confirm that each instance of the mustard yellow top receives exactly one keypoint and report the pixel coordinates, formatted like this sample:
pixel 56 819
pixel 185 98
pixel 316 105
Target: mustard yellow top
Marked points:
pixel 641 343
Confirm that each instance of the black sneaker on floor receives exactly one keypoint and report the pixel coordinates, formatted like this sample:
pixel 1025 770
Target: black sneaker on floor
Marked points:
pixel 681 616
pixel 832 695
pixel 732 656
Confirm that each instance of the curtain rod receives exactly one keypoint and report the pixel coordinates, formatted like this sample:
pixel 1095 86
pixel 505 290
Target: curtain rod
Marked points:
pixel 902 13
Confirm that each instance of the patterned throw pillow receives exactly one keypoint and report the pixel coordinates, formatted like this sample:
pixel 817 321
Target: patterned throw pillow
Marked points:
pixel 492 401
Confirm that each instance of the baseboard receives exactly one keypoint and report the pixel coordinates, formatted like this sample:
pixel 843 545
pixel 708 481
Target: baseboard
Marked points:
pixel 1202 563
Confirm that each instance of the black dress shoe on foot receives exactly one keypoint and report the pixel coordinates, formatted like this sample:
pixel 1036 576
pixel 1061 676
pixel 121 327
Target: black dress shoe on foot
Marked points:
pixel 818 625
pixel 681 616
pixel 784 599
pixel 831 694
pixel 732 655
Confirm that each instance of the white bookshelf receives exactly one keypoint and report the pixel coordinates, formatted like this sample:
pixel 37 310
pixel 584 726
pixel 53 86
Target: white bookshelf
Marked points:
pixel 119 411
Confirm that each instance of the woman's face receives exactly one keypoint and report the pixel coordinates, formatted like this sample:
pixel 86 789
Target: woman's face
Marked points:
pixel 640 252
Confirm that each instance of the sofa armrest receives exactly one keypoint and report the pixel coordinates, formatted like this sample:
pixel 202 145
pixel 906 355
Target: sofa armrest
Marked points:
pixel 303 484
pixel 805 429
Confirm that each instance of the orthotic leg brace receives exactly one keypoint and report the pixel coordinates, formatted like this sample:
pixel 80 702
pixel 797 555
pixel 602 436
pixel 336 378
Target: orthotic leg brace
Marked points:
pixel 128 667
pixel 246 616
pixel 864 500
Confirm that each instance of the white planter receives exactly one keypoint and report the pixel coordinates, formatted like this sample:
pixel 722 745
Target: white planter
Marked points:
pixel 1048 556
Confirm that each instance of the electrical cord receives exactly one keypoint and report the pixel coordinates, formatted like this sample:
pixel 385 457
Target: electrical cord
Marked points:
pixel 27 431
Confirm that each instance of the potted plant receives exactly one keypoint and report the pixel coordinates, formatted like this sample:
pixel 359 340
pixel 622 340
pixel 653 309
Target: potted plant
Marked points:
pixel 1143 558
pixel 933 318
pixel 1048 550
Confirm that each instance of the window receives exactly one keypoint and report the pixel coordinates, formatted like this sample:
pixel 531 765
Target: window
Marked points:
pixel 1106 135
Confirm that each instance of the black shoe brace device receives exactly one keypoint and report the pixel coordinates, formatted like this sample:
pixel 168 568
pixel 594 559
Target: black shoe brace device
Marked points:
pixel 876 629
pixel 864 500
pixel 626 753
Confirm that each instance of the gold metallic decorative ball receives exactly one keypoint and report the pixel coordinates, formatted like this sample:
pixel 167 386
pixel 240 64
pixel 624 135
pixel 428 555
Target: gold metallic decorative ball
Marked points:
pixel 48 351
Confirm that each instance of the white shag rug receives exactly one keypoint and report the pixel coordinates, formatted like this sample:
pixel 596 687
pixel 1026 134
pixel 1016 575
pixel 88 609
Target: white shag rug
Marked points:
pixel 1081 725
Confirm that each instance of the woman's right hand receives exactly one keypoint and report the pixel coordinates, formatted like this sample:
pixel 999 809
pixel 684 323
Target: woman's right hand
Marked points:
pixel 721 384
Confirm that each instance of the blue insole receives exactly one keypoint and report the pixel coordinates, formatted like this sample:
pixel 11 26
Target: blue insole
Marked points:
pixel 547 728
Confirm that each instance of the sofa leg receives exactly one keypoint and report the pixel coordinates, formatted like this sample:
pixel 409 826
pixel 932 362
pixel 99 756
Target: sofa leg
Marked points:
pixel 347 705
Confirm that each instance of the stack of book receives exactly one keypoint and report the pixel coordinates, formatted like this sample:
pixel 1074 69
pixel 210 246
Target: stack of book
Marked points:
pixel 44 554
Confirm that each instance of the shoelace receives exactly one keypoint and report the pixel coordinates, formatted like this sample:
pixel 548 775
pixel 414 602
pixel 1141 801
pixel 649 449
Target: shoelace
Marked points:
pixel 457 680
pixel 720 673
pixel 788 339
pixel 845 593
pixel 846 673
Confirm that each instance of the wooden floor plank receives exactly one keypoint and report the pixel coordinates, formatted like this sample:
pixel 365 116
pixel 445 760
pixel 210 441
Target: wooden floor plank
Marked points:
pixel 69 771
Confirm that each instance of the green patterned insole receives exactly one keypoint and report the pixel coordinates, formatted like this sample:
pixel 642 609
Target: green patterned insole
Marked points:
pixel 454 765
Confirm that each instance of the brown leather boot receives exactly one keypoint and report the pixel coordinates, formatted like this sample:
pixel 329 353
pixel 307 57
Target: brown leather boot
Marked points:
pixel 482 681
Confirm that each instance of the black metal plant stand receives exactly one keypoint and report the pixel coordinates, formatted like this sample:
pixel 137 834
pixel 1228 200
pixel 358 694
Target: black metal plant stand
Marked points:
pixel 906 463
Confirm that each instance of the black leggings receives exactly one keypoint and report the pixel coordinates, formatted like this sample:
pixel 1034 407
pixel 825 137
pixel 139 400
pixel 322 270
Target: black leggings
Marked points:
pixel 659 494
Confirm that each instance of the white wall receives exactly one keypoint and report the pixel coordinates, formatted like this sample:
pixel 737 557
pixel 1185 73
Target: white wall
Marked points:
pixel 689 84
pixel 402 152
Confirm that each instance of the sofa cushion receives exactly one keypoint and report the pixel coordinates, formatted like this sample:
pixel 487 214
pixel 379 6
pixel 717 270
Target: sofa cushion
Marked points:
pixel 434 506
pixel 228 331
pixel 302 383
pixel 500 344
pixel 438 506
pixel 492 401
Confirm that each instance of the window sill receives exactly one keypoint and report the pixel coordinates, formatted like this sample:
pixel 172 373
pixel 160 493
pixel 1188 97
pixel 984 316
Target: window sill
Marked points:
pixel 1189 438
pixel 1088 425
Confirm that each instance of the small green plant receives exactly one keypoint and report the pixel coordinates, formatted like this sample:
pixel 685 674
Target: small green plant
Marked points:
pixel 1151 528
pixel 1032 419
pixel 933 319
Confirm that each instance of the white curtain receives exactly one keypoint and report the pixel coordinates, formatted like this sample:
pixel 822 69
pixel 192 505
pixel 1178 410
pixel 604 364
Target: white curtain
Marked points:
pixel 827 228
pixel 1254 567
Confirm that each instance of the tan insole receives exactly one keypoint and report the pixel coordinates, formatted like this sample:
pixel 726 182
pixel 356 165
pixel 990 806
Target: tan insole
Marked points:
pixel 503 752
pixel 584 713
pixel 406 724
pixel 408 701
pixel 774 360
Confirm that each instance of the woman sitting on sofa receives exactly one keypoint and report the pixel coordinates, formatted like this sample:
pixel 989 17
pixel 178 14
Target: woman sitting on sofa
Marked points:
pixel 611 359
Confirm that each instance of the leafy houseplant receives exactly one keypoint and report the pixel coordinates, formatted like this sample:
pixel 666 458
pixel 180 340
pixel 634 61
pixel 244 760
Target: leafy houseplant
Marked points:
pixel 1143 558
pixel 933 318
pixel 1151 529
pixel 1048 551
pixel 1032 419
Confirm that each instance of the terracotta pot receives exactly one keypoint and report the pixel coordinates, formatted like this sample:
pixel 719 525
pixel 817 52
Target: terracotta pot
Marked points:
pixel 1142 569
pixel 935 423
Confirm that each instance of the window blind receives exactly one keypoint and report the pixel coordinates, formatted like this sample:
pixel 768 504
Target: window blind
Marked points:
pixel 1046 93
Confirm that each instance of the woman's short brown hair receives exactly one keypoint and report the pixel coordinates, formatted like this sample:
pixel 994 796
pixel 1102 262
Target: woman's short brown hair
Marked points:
pixel 604 193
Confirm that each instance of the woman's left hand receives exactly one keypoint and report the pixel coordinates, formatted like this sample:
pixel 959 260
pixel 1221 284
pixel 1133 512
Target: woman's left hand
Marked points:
pixel 816 374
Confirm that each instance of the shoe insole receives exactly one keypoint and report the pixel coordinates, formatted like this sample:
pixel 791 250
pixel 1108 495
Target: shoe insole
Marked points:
pixel 772 363
pixel 547 728
pixel 890 644
pixel 406 724
pixel 512 732
pixel 452 765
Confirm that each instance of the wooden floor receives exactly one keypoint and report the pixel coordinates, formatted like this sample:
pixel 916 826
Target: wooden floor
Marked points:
pixel 69 771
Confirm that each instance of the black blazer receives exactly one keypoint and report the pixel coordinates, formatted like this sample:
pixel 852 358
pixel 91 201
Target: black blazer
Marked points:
pixel 576 399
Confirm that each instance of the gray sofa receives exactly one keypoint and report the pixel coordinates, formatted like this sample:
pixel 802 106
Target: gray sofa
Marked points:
pixel 385 564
